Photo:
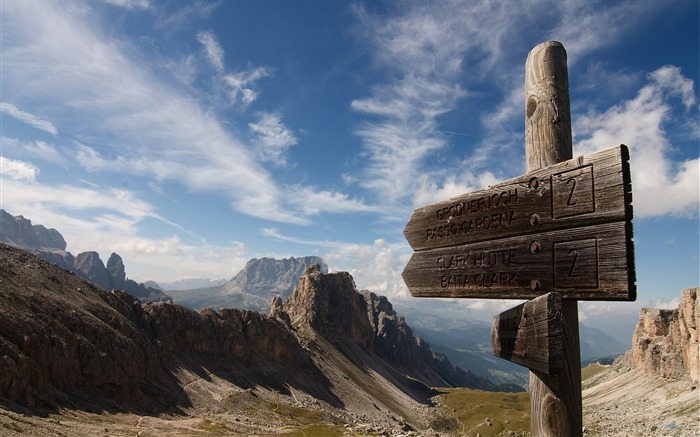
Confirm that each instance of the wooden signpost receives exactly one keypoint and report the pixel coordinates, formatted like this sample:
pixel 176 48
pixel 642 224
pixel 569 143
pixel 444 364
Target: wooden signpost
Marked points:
pixel 531 334
pixel 560 233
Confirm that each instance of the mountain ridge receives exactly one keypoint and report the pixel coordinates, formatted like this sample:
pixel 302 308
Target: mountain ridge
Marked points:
pixel 50 245
pixel 66 343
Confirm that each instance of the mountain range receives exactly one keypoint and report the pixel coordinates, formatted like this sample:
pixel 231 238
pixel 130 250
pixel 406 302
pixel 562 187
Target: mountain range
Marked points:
pixel 50 245
pixel 67 343
pixel 466 341
pixel 253 287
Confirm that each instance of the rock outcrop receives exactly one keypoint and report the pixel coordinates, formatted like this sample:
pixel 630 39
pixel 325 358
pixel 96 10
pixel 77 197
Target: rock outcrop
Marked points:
pixel 665 342
pixel 66 342
pixel 19 232
pixel 331 306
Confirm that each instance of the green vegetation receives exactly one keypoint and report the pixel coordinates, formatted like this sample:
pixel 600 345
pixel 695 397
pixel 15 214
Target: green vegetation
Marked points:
pixel 488 413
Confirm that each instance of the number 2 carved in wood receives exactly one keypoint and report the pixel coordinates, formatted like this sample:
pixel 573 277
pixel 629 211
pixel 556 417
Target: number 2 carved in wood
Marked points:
pixel 571 193
pixel 574 253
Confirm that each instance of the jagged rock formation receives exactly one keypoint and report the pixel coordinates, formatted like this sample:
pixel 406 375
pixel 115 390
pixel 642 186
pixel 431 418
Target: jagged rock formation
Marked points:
pixel 665 342
pixel 253 287
pixel 18 231
pixel 50 245
pixel 331 306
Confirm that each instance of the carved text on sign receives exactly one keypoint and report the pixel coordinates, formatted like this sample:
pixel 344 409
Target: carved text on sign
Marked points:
pixel 583 263
pixel 587 190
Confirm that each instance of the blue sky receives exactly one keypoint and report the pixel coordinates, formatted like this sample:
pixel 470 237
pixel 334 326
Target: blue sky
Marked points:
pixel 192 136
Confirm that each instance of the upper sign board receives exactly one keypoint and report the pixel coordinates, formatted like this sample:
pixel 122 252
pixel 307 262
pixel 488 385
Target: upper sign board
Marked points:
pixel 587 190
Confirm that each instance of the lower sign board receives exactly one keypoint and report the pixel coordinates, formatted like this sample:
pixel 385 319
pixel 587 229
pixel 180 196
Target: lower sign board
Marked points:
pixel 531 334
pixel 589 263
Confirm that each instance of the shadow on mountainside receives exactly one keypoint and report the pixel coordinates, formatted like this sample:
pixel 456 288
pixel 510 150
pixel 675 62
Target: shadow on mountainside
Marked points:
pixel 66 343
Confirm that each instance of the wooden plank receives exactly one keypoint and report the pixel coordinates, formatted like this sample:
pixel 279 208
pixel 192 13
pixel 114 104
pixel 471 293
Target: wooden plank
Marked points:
pixel 590 263
pixel 587 190
pixel 531 334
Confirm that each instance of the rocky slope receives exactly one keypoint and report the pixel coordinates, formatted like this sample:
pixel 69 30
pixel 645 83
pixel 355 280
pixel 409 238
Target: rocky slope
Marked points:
pixel 50 245
pixel 653 389
pixel 67 344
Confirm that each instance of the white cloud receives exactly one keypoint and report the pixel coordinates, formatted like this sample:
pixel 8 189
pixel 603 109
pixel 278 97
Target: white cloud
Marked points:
pixel 27 118
pixel 659 185
pixel 88 82
pixel 130 4
pixel 240 86
pixel 212 49
pixel 311 201
pixel 17 171
pixel 272 138
pixel 36 149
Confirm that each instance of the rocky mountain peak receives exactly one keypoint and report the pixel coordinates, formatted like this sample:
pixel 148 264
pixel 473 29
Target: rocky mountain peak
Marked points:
pixel 19 231
pixel 665 341
pixel 268 277
pixel 90 266
pixel 115 266
pixel 331 305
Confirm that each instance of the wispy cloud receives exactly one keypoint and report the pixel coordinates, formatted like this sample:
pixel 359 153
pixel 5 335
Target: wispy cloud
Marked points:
pixel 30 119
pixel 34 149
pixel 102 93
pixel 130 4
pixel 212 49
pixel 437 55
pixel 272 138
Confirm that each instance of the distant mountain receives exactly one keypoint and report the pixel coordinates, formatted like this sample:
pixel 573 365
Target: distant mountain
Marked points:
pixel 253 287
pixel 186 284
pixel 468 341
pixel 596 344
pixel 50 245
pixel 327 351
pixel 465 340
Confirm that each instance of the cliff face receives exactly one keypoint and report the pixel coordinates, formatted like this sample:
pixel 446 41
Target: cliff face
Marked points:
pixel 65 341
pixel 331 305
pixel 665 342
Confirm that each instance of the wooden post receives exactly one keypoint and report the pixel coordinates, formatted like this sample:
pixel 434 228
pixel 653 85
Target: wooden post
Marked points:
pixel 556 408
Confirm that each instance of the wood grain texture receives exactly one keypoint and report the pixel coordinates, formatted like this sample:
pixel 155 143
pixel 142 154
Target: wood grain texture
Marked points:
pixel 547 110
pixel 588 263
pixel 531 334
pixel 555 401
pixel 592 189
pixel 556 408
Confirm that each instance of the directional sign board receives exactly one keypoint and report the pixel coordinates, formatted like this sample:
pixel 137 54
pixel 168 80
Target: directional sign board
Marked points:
pixel 565 228
pixel 531 334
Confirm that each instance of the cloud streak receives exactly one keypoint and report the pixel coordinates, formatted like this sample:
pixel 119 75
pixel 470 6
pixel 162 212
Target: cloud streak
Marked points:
pixel 27 118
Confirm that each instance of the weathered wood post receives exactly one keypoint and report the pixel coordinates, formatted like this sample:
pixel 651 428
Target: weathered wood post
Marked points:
pixel 556 408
